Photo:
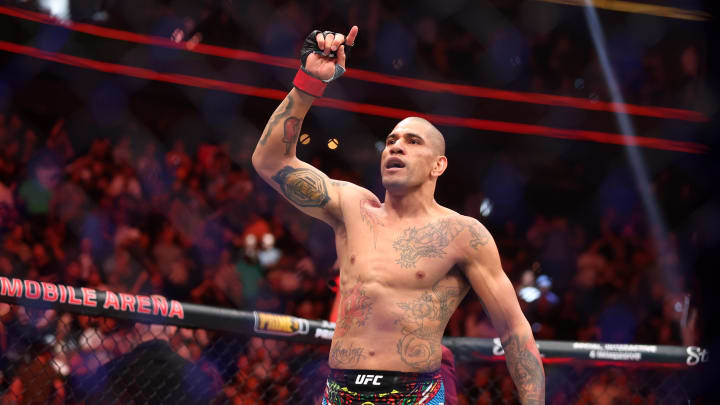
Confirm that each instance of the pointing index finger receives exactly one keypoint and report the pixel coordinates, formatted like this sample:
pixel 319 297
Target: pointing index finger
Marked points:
pixel 350 39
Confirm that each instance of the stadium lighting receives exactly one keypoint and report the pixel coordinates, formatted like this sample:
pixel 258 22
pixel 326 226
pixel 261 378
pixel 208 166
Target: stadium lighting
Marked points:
pixel 57 8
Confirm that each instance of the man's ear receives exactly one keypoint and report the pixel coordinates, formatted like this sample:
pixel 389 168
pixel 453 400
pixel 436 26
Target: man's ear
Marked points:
pixel 438 169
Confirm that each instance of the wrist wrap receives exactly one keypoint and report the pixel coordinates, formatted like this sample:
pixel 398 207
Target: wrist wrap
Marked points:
pixel 309 84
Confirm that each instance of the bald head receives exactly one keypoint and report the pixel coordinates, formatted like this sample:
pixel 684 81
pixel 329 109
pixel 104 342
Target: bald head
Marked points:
pixel 433 135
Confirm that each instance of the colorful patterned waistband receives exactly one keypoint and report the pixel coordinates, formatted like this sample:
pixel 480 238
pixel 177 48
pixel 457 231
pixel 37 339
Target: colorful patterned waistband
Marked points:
pixel 350 387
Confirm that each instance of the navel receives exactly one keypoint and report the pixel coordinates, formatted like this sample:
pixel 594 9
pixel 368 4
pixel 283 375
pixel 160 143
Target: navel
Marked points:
pixel 372 353
pixel 420 275
pixel 352 259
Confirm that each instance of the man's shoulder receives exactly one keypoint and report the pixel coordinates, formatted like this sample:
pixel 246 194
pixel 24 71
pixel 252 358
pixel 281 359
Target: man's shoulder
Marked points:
pixel 454 216
pixel 346 187
pixel 470 231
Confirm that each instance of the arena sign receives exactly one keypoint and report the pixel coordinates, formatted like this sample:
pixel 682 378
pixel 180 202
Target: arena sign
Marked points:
pixel 88 300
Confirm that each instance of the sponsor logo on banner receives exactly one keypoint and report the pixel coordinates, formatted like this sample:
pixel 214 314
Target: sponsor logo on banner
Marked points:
pixel 617 356
pixel 614 347
pixel 497 349
pixel 327 325
pixel 280 324
pixel 696 355
pixel 614 351
pixel 325 331
pixel 326 334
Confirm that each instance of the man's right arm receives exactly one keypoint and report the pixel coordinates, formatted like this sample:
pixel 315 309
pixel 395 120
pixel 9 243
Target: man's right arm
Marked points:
pixel 306 187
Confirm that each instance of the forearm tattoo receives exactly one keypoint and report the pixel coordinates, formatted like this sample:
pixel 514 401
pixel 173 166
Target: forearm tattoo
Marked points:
pixel 343 355
pixel 523 362
pixel 423 323
pixel 304 187
pixel 292 131
pixel 277 117
pixel 355 309
pixel 431 240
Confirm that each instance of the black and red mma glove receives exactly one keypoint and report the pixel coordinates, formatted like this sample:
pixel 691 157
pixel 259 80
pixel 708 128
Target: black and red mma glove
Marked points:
pixel 303 79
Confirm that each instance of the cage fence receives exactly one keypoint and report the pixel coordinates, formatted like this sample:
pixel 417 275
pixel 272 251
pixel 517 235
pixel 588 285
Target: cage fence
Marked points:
pixel 83 346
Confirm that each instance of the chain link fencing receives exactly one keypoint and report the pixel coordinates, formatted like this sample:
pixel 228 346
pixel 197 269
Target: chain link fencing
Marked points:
pixel 91 353
pixel 485 384
pixel 62 358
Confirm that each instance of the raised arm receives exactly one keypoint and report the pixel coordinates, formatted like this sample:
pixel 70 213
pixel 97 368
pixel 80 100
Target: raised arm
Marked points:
pixel 274 158
pixel 483 270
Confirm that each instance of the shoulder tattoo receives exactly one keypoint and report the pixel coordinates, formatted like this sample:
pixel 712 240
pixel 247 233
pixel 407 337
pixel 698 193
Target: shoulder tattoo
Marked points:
pixel 479 234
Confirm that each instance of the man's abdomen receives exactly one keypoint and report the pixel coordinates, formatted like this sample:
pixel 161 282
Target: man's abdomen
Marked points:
pixel 397 330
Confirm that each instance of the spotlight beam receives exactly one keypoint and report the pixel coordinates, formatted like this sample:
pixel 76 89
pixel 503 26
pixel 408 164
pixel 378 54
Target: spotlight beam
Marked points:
pixel 635 159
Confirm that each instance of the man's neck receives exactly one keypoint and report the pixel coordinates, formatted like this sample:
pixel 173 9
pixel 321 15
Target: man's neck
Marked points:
pixel 412 204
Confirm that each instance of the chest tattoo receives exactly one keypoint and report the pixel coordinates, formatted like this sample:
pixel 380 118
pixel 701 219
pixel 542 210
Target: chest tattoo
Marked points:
pixel 370 218
pixel 431 240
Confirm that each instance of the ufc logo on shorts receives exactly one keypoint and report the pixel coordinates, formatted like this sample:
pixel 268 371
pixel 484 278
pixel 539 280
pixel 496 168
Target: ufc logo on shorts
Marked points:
pixel 364 379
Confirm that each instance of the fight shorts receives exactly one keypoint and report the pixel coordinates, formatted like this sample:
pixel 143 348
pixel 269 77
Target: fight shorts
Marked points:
pixel 371 387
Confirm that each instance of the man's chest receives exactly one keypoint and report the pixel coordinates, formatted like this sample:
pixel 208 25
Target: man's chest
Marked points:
pixel 411 253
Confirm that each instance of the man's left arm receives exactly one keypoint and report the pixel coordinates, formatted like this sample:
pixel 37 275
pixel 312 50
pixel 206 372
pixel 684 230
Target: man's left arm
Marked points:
pixel 483 269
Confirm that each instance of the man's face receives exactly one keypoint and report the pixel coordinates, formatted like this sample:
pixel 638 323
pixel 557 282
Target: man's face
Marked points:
pixel 408 157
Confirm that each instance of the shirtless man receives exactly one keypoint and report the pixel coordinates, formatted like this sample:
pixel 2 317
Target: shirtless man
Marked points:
pixel 405 262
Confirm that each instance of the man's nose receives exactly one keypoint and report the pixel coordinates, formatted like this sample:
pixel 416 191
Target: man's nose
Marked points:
pixel 397 148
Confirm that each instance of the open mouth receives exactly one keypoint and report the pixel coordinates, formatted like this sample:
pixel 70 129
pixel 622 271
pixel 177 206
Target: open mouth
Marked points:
pixel 394 163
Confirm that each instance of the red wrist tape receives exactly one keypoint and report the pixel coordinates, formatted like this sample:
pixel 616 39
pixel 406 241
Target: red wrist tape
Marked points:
pixel 310 85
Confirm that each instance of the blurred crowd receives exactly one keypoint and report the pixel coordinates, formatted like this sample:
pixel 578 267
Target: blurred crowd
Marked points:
pixel 200 226
pixel 125 217
pixel 515 45
pixel 191 225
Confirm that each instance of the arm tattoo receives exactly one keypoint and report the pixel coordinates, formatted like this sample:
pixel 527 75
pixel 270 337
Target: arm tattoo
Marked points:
pixel 292 131
pixel 355 308
pixel 369 217
pixel 303 187
pixel 423 323
pixel 480 235
pixel 343 355
pixel 431 240
pixel 276 118
pixel 525 369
